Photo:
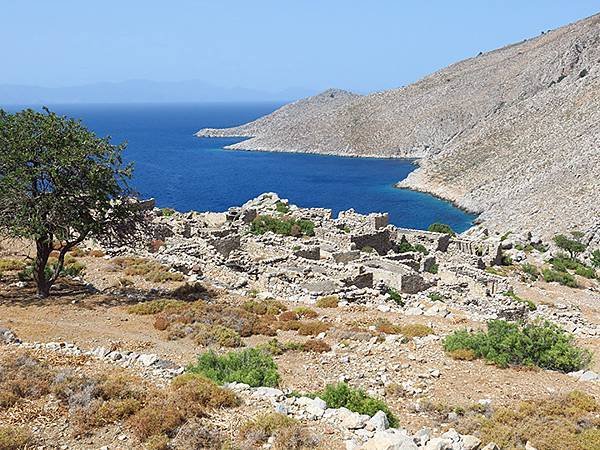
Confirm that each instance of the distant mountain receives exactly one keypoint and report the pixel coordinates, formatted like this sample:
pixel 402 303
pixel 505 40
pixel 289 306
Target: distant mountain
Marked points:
pixel 513 134
pixel 141 91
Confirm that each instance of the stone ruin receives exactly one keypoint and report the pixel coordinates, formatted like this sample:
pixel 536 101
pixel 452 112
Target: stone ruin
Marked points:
pixel 355 256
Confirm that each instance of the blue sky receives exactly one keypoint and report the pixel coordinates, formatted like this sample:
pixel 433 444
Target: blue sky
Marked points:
pixel 262 44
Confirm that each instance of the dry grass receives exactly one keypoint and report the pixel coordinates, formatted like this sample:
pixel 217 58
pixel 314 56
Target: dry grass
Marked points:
pixel 295 437
pixel 155 306
pixel 257 431
pixel 92 401
pixel 13 438
pixel 148 270
pixel 9 264
pixel 463 354
pixel 330 301
pixel 569 421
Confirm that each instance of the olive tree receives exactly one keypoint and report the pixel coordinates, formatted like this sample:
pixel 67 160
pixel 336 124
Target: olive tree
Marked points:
pixel 59 185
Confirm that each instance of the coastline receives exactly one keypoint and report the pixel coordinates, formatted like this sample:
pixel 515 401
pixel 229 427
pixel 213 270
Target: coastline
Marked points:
pixel 405 184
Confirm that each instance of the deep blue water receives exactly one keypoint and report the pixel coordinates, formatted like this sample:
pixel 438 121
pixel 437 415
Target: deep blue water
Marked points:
pixel 185 172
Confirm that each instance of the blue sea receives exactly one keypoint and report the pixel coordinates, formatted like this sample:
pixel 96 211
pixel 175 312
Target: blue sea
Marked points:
pixel 188 173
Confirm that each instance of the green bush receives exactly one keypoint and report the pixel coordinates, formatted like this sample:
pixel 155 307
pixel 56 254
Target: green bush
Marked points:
pixel 281 207
pixel 586 272
pixel 341 395
pixel 441 228
pixel 251 366
pixel 544 345
pixel 433 268
pixel 564 278
pixel 573 246
pixel 531 271
pixel 436 297
pixel 71 269
pixel 596 258
pixel 404 247
pixel 530 305
pixel 395 296
pixel 283 226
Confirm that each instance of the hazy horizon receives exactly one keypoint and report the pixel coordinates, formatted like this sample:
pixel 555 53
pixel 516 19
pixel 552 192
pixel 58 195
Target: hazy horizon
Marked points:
pixel 234 50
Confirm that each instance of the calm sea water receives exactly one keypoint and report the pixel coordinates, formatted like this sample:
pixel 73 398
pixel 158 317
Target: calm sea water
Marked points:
pixel 188 173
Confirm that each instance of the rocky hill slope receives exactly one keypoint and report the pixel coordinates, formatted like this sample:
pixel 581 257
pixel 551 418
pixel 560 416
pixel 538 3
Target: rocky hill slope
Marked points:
pixel 512 133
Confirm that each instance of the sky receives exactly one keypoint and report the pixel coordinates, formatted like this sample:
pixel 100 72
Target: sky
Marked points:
pixel 269 45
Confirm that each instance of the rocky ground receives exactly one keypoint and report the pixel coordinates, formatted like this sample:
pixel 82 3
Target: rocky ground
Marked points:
pixel 366 337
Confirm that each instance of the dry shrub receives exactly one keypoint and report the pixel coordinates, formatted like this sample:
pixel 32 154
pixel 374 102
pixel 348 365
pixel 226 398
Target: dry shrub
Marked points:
pixel 158 442
pixel 96 253
pixel 14 438
pixel 264 326
pixel 295 437
pixel 415 330
pixel 410 331
pixel 207 335
pixel 316 346
pixel 305 312
pixel 312 328
pixel 258 430
pixel 161 323
pixel 23 377
pixel 331 301
pixel 261 307
pixel 149 270
pixel 159 417
pixel 393 390
pixel 385 326
pixel 564 422
pixel 288 315
pixel 195 434
pixel 463 354
pixel 289 325
pixel 196 393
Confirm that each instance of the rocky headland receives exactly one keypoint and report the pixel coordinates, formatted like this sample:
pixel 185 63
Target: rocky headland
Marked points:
pixel 512 134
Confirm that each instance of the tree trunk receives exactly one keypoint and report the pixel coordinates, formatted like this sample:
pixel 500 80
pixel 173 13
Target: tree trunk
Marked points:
pixel 43 248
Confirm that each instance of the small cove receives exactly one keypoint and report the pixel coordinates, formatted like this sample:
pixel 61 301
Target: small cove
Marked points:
pixel 187 173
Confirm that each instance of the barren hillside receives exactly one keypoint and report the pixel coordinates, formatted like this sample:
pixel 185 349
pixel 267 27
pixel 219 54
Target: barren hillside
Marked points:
pixel 512 133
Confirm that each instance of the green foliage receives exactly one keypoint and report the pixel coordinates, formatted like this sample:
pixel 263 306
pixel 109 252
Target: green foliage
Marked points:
pixel 282 208
pixel 251 366
pixel 367 249
pixel 433 268
pixel 586 272
pixel 441 228
pixel 596 258
pixel 404 247
pixel 564 278
pixel 168 212
pixel 283 226
pixel 69 269
pixel 341 395
pixel 505 236
pixel 436 297
pixel 572 246
pixel 544 345
pixel 396 296
pixel 60 183
pixel 530 305
pixel 531 271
